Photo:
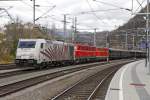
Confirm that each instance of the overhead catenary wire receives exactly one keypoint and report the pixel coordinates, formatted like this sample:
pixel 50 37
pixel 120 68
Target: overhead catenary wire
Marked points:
pixel 10 0
pixel 26 4
pixel 5 11
pixel 32 6
pixel 86 12
pixel 138 6
pixel 94 13
pixel 57 19
pixel 42 16
pixel 89 12
pixel 45 13
pixel 109 4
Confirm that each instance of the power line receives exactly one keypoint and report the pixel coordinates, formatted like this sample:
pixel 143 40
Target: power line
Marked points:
pixel 10 0
pixel 94 13
pixel 5 10
pixel 45 13
pixel 139 3
pixel 27 4
pixel 109 4
pixel 86 12
pixel 139 6
pixel 52 17
pixel 39 10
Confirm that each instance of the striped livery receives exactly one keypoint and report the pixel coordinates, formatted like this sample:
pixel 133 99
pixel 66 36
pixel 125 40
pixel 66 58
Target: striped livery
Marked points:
pixel 56 51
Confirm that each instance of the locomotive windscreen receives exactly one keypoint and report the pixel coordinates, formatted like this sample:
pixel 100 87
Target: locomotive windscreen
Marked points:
pixel 27 44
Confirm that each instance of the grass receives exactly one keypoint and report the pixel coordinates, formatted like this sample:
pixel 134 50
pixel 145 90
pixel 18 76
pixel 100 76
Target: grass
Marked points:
pixel 6 59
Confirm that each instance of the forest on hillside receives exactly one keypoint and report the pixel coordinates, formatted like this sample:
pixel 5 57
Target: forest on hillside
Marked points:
pixel 13 31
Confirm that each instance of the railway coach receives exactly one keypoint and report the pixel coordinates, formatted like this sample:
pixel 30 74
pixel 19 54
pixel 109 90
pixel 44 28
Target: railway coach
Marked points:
pixel 125 54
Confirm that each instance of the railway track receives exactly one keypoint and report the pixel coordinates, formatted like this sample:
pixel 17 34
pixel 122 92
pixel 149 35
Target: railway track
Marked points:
pixel 14 87
pixel 16 72
pixel 100 91
pixel 7 66
pixel 91 88
pixel 30 70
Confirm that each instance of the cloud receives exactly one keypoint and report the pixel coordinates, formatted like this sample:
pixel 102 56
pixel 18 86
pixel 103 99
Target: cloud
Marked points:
pixel 106 20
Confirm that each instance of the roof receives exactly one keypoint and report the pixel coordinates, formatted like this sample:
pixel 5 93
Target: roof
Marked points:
pixel 126 50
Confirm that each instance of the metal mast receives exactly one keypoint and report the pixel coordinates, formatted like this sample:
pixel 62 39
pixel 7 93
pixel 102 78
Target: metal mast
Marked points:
pixel 94 40
pixel 33 12
pixel 65 28
pixel 147 35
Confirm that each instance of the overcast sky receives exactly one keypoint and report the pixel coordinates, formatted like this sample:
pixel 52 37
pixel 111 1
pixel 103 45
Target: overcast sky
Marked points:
pixel 108 17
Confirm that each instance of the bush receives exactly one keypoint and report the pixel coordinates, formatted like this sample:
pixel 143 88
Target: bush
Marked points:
pixel 4 59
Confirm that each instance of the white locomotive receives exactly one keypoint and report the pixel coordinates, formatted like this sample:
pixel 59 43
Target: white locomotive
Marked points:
pixel 41 51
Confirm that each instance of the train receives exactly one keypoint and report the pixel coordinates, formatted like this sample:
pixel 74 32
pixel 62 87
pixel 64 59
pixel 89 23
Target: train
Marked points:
pixel 42 52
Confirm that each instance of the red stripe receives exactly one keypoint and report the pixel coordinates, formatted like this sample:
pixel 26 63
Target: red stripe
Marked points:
pixel 136 84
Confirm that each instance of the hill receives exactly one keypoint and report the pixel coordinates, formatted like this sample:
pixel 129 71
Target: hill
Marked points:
pixel 135 30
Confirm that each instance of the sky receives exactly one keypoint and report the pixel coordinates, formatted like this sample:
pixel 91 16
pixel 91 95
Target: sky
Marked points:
pixel 105 15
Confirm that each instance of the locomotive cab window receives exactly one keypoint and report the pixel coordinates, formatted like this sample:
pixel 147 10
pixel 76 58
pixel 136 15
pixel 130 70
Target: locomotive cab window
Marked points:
pixel 27 44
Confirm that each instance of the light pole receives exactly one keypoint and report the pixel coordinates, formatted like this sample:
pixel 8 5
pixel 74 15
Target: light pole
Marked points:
pixel 147 33
pixel 64 27
pixel 94 40
pixel 126 43
pixel 33 16
pixel 107 40
pixel 33 12
pixel 74 28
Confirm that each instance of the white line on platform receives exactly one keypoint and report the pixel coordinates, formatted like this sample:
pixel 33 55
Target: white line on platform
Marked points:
pixel 120 83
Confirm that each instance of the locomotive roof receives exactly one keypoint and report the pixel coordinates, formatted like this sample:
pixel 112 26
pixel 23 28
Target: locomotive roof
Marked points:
pixel 59 42
pixel 44 40
pixel 31 39
pixel 126 50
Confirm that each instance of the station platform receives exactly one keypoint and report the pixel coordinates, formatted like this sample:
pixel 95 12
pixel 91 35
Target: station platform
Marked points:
pixel 131 82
